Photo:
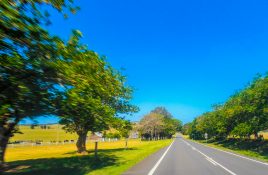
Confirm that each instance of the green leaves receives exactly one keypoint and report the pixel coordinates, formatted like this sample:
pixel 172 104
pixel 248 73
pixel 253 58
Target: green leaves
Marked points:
pixel 27 75
pixel 41 74
pixel 242 130
pixel 243 114
pixel 159 123
pixel 94 92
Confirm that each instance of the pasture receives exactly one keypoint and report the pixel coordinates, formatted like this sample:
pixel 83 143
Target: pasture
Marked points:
pixel 113 158
pixel 53 133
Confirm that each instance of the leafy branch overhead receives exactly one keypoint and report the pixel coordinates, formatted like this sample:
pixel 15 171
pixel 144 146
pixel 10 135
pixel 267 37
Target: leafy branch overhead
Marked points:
pixel 94 92
pixel 42 75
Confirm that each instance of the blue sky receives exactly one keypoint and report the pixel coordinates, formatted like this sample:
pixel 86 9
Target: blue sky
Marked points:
pixel 185 55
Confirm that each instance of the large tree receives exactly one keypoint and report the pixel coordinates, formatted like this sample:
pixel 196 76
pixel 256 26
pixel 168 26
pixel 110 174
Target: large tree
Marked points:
pixel 159 123
pixel 243 114
pixel 171 127
pixel 171 124
pixel 163 111
pixel 151 125
pixel 94 92
pixel 26 76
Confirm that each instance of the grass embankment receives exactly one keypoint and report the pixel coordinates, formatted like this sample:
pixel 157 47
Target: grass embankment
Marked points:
pixel 54 133
pixel 257 149
pixel 63 159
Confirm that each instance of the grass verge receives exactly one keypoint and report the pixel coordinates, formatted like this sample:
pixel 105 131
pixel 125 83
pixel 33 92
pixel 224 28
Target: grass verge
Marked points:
pixel 251 148
pixel 63 159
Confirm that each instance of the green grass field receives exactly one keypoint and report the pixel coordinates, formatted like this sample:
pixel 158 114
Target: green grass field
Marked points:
pixel 63 159
pixel 55 133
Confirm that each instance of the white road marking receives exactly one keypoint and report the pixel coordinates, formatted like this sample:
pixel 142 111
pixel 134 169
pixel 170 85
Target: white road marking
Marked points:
pixel 159 161
pixel 211 161
pixel 253 160
pixel 207 157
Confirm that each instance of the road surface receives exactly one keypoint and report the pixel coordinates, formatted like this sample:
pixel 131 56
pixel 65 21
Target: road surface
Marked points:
pixel 184 157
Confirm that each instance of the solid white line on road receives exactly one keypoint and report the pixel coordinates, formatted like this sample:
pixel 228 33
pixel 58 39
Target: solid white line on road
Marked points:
pixel 253 160
pixel 211 161
pixel 207 157
pixel 159 161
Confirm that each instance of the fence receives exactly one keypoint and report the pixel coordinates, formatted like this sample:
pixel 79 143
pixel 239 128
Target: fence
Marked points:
pixel 65 142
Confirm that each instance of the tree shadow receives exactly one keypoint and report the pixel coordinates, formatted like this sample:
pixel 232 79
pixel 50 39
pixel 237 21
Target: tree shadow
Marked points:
pixel 56 166
pixel 76 164
pixel 103 151
pixel 258 146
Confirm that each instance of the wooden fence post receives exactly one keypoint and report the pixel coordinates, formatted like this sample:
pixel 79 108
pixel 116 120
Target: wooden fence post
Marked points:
pixel 126 146
pixel 96 149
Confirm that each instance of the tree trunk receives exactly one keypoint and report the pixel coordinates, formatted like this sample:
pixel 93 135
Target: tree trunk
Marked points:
pixel 6 130
pixel 256 136
pixel 154 134
pixel 3 146
pixel 96 150
pixel 126 143
pixel 81 142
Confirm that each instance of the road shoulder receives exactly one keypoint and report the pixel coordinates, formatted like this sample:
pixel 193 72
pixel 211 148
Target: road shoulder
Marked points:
pixel 231 152
pixel 144 167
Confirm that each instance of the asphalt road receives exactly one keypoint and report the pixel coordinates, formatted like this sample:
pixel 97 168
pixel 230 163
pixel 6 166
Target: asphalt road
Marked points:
pixel 189 158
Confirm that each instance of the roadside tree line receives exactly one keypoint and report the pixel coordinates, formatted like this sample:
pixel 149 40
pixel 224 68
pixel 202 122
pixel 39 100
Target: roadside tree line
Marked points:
pixel 41 74
pixel 158 124
pixel 244 114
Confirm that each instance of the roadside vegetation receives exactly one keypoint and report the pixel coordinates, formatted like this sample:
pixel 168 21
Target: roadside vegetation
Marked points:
pixel 238 124
pixel 158 124
pixel 249 147
pixel 113 158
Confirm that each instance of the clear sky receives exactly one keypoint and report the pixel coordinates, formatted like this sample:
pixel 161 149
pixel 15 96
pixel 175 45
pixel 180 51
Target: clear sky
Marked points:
pixel 185 55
